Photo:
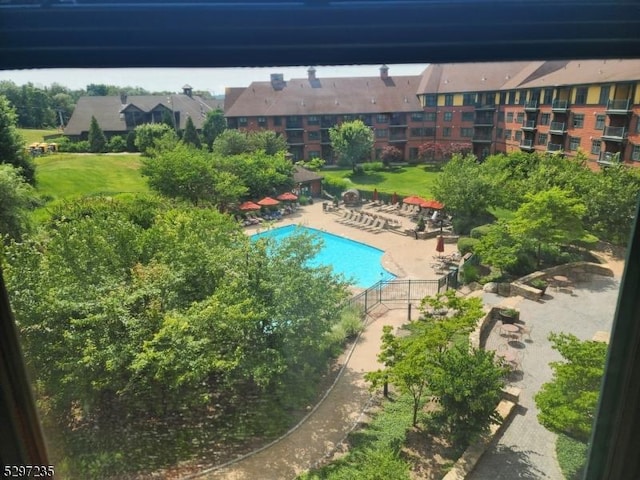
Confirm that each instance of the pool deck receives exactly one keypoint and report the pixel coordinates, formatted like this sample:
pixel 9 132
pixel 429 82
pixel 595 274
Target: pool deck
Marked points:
pixel 405 257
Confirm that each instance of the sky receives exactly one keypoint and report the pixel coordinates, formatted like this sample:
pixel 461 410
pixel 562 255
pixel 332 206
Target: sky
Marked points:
pixel 214 80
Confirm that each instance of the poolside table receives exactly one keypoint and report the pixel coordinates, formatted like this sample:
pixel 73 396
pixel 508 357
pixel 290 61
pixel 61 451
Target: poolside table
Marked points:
pixel 511 330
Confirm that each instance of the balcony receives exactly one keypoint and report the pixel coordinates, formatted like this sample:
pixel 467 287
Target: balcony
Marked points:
pixel 531 106
pixel 482 138
pixel 560 106
pixel 483 121
pixel 618 107
pixel 295 139
pixel 398 121
pixel 398 137
pixel 557 128
pixel 484 107
pixel 294 126
pixel 554 147
pixel 529 126
pixel 609 158
pixel 526 144
pixel 614 134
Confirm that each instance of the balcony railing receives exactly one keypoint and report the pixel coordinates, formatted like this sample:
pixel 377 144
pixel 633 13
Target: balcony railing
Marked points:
pixel 560 105
pixel 619 106
pixel 485 106
pixel 609 158
pixel 294 126
pixel 531 106
pixel 614 133
pixel 398 121
pixel 483 120
pixel 554 147
pixel 557 128
pixel 400 137
pixel 529 125
pixel 482 139
pixel 526 144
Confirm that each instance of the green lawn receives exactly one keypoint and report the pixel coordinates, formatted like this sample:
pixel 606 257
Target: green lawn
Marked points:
pixel 66 175
pixel 36 135
pixel 405 181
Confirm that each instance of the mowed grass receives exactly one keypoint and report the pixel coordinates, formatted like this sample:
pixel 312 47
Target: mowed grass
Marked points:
pixel 405 181
pixel 36 135
pixel 67 175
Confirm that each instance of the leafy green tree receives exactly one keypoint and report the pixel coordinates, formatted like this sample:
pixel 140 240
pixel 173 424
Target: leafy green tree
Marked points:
pixel 213 126
pixel 97 140
pixel 268 141
pixel 352 141
pixel 468 384
pixel 117 144
pixel 11 143
pixel 131 141
pixel 191 136
pixel 147 136
pixel 567 404
pixel 387 357
pixel 466 193
pixel 552 216
pixel 16 198
pixel 498 248
pixel 231 142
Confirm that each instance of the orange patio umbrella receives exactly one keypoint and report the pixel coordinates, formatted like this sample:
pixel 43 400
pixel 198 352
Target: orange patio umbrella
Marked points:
pixel 246 206
pixel 414 200
pixel 436 205
pixel 268 202
pixel 287 197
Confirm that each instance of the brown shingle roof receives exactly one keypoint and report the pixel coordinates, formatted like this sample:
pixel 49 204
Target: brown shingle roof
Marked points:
pixel 468 77
pixel 302 175
pixel 581 72
pixel 328 96
pixel 107 111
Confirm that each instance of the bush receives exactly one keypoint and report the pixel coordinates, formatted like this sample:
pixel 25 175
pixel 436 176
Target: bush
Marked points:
pixel 467 245
pixel 117 144
pixel 572 456
pixel 470 273
pixel 302 200
pixel 373 167
pixel 495 276
pixel 481 231
pixel 67 145
pixel 335 186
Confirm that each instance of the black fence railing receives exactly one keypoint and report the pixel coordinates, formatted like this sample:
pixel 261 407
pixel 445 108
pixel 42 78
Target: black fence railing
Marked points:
pixel 402 291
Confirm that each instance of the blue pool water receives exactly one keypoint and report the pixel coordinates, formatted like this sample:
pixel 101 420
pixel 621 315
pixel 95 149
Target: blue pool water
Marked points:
pixel 356 261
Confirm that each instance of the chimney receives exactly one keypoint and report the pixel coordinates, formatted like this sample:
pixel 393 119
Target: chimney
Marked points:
pixel 311 72
pixel 277 81
pixel 123 98
pixel 187 90
pixel 384 72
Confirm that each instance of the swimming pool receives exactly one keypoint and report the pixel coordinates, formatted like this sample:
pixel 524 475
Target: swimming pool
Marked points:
pixel 355 260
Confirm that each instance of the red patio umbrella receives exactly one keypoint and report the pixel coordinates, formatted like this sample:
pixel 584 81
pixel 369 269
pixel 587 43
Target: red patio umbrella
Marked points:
pixel 246 206
pixel 434 204
pixel 394 199
pixel 414 200
pixel 375 194
pixel 440 244
pixel 287 197
pixel 268 202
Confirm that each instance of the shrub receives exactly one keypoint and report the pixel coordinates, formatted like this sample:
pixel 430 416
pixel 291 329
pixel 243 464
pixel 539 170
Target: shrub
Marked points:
pixel 67 145
pixel 470 273
pixel 572 456
pixel 466 245
pixel 302 200
pixel 481 231
pixel 373 167
pixel 335 184
pixel 117 144
pixel 494 276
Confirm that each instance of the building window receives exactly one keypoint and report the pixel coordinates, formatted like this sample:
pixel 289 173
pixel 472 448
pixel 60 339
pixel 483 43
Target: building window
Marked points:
pixel 417 116
pixel 512 98
pixel 430 100
pixel 448 116
pixel 499 133
pixel 637 124
pixel 382 118
pixel 313 135
pixel 430 132
pixel 522 98
pixel 578 121
pixel 520 118
pixel 430 116
pixel 242 121
pixel 418 132
pixel 604 94
pixel 600 122
pixel 466 132
pixel 595 146
pixel 382 133
pixel 448 99
pixel 413 153
pixel 262 121
pixel 446 132
pixel 542 139
pixel 510 117
pixel 277 121
pixel 503 98
pixel 518 135
pixel 581 96
pixel 635 153
pixel 545 118
pixel 548 96
pixel 348 118
pixel 490 99
pixel 574 143
pixel 468 99
pixel 500 116
pixel 468 116
pixel 507 134
pixel 313 120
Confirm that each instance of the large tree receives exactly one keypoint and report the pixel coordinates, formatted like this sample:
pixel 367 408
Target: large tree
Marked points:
pixel 11 143
pixel 97 139
pixel 16 198
pixel 352 141
pixel 213 126
pixel 190 136
pixel 149 135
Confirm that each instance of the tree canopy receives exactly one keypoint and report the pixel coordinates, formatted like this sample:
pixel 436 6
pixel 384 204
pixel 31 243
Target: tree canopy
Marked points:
pixel 11 143
pixel 190 136
pixel 97 140
pixel 16 198
pixel 352 142
pixel 214 125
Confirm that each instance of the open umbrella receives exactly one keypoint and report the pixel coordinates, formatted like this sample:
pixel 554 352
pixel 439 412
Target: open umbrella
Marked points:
pixel 375 194
pixel 414 200
pixel 394 198
pixel 440 244
pixel 268 202
pixel 247 206
pixel 287 197
pixel 434 204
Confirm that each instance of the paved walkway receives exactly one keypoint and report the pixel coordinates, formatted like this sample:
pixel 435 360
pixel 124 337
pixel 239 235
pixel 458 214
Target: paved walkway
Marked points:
pixel 526 450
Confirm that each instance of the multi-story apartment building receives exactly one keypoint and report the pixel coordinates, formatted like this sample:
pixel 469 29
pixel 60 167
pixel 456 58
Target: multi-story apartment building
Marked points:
pixel 555 106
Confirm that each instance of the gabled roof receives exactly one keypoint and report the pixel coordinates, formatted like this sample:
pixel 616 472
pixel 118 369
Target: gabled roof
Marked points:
pixel 302 175
pixel 468 77
pixel 109 110
pixel 327 96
